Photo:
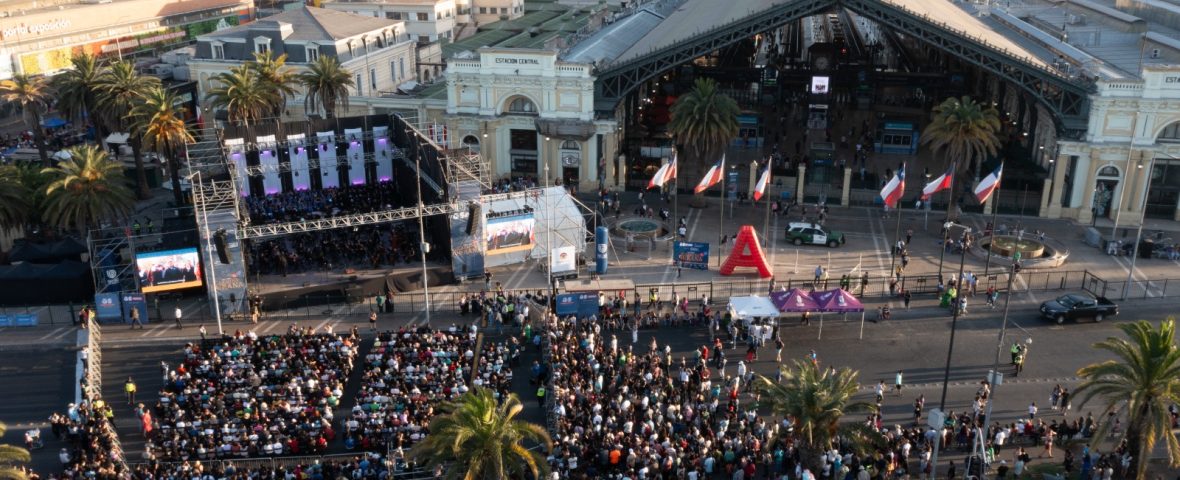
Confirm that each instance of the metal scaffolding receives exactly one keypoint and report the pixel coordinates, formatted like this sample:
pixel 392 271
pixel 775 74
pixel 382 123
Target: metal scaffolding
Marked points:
pixel 1067 98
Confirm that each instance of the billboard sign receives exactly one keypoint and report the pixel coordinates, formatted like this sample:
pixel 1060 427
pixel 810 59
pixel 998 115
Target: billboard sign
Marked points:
pixel 106 306
pixel 693 255
pixel 509 233
pixel 168 270
pixel 582 304
pixel 819 85
pixel 565 259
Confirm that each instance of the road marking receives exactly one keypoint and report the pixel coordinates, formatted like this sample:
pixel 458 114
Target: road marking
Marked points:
pixel 1125 265
pixel 53 333
pixel 270 325
pixel 144 333
pixel 873 223
pixel 161 332
pixel 320 327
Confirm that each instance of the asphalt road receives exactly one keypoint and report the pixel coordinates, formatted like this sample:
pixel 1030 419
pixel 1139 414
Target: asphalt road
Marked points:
pixel 37 383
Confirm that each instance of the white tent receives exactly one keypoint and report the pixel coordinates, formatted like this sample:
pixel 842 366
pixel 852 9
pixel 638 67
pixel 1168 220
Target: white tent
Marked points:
pixel 117 138
pixel 752 307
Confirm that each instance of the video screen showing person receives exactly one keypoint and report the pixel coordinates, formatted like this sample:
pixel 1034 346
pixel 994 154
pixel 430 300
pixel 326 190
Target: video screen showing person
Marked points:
pixel 169 270
pixel 509 234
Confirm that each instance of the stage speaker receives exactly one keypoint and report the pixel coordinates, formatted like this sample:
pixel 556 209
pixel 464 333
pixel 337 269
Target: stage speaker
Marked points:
pixel 472 214
pixel 219 243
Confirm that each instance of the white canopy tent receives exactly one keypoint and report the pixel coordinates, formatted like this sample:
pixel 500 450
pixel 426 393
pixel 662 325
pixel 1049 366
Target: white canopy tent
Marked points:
pixel 748 309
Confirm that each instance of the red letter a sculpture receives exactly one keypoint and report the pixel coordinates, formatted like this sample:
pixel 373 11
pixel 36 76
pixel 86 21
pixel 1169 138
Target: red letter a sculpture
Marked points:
pixel 747 252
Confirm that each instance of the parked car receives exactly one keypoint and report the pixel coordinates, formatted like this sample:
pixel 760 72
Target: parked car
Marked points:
pixel 1073 306
pixel 800 233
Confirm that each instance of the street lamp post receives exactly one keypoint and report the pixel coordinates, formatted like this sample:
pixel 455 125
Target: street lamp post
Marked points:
pixel 1142 219
pixel 994 378
pixel 926 204
pixel 946 376
pixel 422 245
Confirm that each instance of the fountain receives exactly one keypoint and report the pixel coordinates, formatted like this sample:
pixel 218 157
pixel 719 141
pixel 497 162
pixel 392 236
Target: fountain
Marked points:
pixel 635 227
pixel 1033 252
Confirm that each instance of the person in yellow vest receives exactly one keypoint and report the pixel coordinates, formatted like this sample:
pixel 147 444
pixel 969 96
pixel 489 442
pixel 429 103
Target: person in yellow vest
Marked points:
pixel 129 387
pixel 541 396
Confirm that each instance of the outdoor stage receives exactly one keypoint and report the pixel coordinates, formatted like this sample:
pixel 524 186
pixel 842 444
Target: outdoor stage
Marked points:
pixel 315 288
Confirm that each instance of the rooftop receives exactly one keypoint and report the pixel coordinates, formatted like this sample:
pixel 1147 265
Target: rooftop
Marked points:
pixel 310 24
pixel 545 23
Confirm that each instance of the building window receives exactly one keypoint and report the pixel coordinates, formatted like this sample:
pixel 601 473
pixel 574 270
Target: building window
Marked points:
pixel 472 143
pixel 570 145
pixel 218 51
pixel 522 105
pixel 360 85
pixel 423 39
pixel 1171 134
pixel 373 79
pixel 313 54
pixel 393 72
pixel 483 10
pixel 393 15
pixel 261 45
pixel 423 16
pixel 401 68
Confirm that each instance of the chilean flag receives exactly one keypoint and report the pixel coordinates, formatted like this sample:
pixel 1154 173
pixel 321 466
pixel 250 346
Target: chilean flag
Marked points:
pixel 713 176
pixel 989 184
pixel 893 190
pixel 763 181
pixel 939 184
pixel 665 173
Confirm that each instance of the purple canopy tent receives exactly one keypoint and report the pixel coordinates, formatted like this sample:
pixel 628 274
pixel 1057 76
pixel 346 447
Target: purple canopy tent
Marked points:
pixel 838 301
pixel 794 300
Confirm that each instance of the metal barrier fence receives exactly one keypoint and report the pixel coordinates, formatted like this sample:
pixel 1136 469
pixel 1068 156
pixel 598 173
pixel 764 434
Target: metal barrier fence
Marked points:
pixel 1120 289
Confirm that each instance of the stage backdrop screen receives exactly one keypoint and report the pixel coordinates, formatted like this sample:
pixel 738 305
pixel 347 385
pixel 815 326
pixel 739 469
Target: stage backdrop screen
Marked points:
pixel 509 234
pixel 168 270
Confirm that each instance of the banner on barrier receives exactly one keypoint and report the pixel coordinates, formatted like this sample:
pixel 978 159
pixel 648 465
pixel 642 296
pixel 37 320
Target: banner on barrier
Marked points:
pixel 583 304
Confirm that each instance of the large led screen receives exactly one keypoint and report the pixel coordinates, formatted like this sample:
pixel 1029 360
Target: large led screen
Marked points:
pixel 509 234
pixel 169 270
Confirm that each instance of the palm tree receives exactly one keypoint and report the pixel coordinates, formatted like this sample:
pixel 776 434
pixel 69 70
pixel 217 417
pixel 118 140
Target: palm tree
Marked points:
pixel 86 189
pixel 479 438
pixel 327 85
pixel 33 95
pixel 122 88
pixel 816 399
pixel 1141 384
pixel 77 89
pixel 704 120
pixel 242 94
pixel 10 456
pixel 34 182
pixel 274 74
pixel 966 133
pixel 159 120
pixel 14 198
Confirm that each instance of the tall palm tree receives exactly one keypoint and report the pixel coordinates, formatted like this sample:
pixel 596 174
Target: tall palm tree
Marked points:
pixel 86 189
pixel 705 121
pixel 479 438
pixel 276 76
pixel 1140 385
pixel 77 89
pixel 965 131
pixel 159 120
pixel 14 198
pixel 10 456
pixel 326 83
pixel 242 94
pixel 816 399
pixel 121 88
pixel 35 182
pixel 33 95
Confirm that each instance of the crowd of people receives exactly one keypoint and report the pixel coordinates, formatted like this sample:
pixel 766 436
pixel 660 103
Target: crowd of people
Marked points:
pixel 407 374
pixel 91 450
pixel 247 395
pixel 512 184
pixel 626 410
pixel 373 246
pixel 303 205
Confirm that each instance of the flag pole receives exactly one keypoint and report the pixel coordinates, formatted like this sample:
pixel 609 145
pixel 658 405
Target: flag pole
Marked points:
pixel 995 209
pixel 721 245
pixel 897 229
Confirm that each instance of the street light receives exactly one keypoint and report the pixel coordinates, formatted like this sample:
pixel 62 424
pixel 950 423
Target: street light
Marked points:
pixel 1142 219
pixel 946 376
pixel 926 203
